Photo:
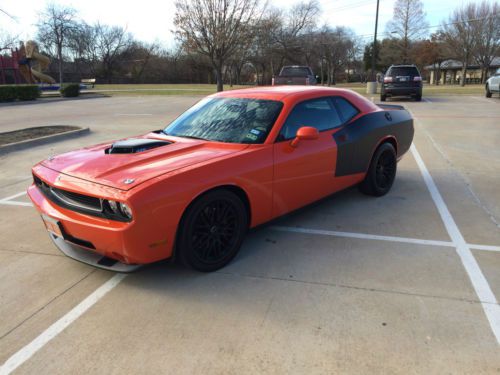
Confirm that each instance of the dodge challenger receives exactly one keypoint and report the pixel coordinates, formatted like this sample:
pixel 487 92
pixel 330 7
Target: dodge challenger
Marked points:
pixel 231 162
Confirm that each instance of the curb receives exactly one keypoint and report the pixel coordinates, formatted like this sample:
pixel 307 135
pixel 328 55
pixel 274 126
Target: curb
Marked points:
pixel 53 99
pixel 10 147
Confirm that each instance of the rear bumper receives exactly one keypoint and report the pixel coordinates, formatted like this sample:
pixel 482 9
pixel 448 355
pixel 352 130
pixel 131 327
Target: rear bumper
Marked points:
pixel 401 91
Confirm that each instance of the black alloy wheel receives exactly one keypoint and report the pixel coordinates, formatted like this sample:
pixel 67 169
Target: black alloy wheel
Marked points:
pixel 381 173
pixel 212 231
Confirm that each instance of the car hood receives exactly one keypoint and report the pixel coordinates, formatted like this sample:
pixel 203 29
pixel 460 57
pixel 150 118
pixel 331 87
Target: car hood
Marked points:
pixel 125 171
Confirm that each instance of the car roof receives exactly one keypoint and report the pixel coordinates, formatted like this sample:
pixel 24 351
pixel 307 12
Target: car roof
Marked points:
pixel 403 66
pixel 295 93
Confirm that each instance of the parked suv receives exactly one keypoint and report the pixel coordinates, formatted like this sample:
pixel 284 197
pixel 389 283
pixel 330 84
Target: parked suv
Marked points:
pixel 493 84
pixel 402 80
pixel 295 75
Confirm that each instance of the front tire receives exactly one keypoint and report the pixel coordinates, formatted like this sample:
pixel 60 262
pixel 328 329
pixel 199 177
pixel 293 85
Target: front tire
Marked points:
pixel 212 231
pixel 381 173
pixel 488 92
pixel 383 98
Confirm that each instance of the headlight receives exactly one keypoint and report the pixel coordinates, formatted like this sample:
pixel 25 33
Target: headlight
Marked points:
pixel 114 206
pixel 117 210
pixel 126 211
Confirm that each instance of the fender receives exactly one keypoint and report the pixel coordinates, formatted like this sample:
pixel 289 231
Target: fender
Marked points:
pixel 357 141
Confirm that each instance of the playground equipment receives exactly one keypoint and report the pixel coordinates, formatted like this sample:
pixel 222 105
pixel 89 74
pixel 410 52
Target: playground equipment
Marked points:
pixel 26 62
pixel 33 63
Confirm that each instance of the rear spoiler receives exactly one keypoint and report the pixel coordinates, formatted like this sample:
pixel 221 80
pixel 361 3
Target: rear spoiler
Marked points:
pixel 392 107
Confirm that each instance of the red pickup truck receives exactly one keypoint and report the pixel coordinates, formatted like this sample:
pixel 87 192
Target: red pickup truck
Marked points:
pixel 295 75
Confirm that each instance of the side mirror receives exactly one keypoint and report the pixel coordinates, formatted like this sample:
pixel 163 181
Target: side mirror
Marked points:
pixel 305 133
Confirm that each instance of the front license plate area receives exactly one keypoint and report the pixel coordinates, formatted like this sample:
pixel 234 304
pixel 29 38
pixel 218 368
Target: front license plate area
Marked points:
pixel 52 225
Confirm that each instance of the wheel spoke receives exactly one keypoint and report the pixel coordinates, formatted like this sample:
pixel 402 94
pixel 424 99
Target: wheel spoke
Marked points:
pixel 214 231
pixel 385 170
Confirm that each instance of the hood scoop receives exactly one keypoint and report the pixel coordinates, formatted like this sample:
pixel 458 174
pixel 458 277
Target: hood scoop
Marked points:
pixel 135 145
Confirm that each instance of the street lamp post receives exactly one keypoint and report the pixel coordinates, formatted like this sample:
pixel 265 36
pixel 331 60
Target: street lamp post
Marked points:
pixel 371 87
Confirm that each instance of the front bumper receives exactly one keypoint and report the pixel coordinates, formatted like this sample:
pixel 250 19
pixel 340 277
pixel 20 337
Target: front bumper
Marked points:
pixel 83 255
pixel 101 242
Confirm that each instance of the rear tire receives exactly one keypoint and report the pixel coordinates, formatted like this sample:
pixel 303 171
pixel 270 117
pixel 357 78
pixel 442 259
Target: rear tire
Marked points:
pixel 381 173
pixel 212 231
pixel 418 98
pixel 383 98
pixel 488 92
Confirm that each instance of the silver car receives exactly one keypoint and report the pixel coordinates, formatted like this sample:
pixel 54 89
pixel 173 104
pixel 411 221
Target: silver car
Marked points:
pixel 493 84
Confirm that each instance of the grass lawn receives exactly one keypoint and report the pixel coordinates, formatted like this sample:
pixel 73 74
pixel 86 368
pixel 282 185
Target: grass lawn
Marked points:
pixel 160 89
pixel 206 89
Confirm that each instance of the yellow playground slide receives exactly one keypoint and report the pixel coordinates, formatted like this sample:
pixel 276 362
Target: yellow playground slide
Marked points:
pixel 32 64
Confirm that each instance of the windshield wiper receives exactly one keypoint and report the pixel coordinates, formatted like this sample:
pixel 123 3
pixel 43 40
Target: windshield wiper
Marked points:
pixel 187 136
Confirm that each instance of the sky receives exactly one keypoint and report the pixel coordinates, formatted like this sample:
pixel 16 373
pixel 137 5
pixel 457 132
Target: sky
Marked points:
pixel 152 20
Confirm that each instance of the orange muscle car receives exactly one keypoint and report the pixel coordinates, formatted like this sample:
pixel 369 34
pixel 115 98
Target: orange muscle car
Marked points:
pixel 233 161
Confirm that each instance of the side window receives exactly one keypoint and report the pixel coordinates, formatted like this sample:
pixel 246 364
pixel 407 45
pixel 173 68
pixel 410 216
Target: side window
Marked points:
pixel 319 113
pixel 346 109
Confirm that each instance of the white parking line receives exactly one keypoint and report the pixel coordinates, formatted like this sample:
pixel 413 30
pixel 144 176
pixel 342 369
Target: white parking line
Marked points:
pixel 13 196
pixel 488 301
pixel 15 203
pixel 27 352
pixel 133 114
pixel 484 247
pixel 365 236
pixel 9 202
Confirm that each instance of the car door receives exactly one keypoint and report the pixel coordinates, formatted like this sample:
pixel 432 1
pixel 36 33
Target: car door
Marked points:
pixel 305 173
pixel 495 81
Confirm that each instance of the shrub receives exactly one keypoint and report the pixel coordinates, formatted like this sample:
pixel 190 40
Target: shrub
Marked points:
pixel 21 92
pixel 70 90
pixel 27 92
pixel 7 93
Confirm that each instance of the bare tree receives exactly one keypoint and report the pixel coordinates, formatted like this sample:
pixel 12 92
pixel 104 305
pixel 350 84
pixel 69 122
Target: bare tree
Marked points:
pixel 299 20
pixel 214 28
pixel 54 25
pixel 459 36
pixel 486 26
pixel 264 50
pixel 335 45
pixel 82 43
pixel 408 23
pixel 8 40
pixel 111 42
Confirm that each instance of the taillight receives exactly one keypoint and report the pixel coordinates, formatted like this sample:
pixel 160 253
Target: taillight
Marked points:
pixel 417 78
pixel 387 79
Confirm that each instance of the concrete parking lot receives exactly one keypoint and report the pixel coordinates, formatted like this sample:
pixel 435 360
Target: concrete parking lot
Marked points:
pixel 406 283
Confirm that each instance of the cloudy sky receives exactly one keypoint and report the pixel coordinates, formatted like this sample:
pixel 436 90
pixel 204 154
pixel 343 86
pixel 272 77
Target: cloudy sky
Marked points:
pixel 151 20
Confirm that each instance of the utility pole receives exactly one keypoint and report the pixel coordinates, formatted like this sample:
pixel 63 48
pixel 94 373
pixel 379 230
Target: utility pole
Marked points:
pixel 371 87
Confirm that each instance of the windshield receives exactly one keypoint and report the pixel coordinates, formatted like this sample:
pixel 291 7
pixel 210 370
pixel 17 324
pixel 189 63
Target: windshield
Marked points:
pixel 232 120
pixel 295 71
pixel 403 71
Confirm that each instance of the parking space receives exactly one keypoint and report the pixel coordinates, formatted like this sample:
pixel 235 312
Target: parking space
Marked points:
pixel 409 282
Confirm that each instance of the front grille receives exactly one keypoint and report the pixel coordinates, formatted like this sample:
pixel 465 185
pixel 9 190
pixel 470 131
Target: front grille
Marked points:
pixel 82 203
pixel 78 200
pixel 69 199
